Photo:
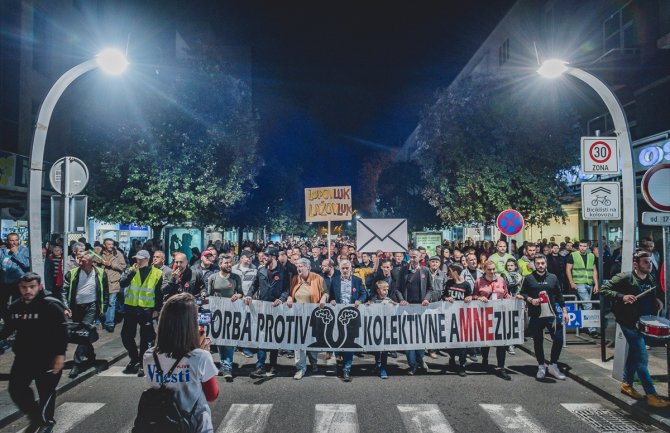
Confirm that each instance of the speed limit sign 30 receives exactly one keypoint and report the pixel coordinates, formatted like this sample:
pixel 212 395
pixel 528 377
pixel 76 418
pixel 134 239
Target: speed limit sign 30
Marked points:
pixel 600 155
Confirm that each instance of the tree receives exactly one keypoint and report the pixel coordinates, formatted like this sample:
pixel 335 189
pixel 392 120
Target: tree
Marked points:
pixel 484 147
pixel 191 155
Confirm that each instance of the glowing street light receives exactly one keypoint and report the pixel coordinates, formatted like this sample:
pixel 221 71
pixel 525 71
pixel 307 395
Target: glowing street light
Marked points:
pixel 109 60
pixel 554 68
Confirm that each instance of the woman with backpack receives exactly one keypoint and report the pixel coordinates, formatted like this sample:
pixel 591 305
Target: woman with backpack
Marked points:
pixel 181 373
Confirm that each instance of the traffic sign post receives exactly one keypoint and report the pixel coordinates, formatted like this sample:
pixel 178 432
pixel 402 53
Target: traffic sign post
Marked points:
pixel 600 155
pixel 510 222
pixel 600 201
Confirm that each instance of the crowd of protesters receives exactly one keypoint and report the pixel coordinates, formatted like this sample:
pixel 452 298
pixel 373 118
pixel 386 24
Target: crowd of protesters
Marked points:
pixel 102 285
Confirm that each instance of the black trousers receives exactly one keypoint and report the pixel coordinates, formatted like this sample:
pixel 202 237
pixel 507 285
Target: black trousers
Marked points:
pixel 23 372
pixel 501 354
pixel 84 313
pixel 8 292
pixel 133 317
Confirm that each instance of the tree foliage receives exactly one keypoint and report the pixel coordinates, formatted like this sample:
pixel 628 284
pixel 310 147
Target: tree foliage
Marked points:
pixel 486 146
pixel 188 156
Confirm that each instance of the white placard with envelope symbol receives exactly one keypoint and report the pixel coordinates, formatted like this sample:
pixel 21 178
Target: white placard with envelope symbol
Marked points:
pixel 388 235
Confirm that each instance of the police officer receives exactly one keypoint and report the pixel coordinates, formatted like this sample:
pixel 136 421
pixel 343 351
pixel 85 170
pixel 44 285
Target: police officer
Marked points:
pixel 41 340
pixel 86 297
pixel 143 301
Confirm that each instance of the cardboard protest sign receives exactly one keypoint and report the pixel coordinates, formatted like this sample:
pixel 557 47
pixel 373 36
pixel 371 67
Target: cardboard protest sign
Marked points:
pixel 332 203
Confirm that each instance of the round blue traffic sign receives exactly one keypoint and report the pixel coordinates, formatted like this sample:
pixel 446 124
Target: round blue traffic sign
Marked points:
pixel 510 222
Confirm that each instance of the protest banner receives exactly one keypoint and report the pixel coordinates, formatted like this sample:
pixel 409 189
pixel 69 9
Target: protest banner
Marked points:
pixel 372 327
pixel 332 203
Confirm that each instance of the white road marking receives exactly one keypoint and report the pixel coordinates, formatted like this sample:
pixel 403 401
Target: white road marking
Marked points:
pixel 70 414
pixel 512 418
pixel 245 418
pixel 335 418
pixel 420 418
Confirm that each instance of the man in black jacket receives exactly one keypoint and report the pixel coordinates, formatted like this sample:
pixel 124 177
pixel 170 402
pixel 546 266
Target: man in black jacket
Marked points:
pixel 86 296
pixel 538 288
pixel 272 285
pixel 41 340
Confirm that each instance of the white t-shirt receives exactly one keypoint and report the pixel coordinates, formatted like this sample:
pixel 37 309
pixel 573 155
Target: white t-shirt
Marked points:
pixel 187 378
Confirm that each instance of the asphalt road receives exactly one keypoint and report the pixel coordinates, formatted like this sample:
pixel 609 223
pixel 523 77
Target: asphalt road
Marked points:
pixel 435 402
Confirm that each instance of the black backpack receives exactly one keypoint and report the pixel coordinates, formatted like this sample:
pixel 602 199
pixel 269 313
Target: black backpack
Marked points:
pixel 159 411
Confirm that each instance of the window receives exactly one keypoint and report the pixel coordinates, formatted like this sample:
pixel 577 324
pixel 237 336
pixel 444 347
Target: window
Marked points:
pixel 503 53
pixel 618 29
pixel 41 59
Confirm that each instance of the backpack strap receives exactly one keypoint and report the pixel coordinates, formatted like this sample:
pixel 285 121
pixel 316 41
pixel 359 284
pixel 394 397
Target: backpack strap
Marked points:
pixel 159 369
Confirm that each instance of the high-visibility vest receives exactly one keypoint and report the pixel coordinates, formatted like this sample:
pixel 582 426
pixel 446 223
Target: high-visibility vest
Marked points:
pixel 143 293
pixel 500 261
pixel 582 274
pixel 98 275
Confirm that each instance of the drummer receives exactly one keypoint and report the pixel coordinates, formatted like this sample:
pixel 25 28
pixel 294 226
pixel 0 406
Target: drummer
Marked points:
pixel 623 289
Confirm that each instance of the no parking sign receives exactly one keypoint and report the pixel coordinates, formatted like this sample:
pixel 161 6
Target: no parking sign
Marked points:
pixel 510 222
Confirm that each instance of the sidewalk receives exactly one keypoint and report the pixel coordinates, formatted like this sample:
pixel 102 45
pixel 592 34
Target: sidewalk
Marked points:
pixel 108 350
pixel 581 361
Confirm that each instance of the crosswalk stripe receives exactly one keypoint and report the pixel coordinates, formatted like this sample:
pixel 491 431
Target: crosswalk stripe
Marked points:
pixel 420 418
pixel 70 414
pixel 245 418
pixel 512 418
pixel 335 418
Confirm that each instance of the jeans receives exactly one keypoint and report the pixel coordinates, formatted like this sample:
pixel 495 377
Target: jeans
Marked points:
pixel 536 327
pixel 226 355
pixel 261 355
pixel 636 361
pixel 84 313
pixel 414 359
pixel 584 292
pixel 135 316
pixel 301 359
pixel 381 359
pixel 347 360
pixel 111 310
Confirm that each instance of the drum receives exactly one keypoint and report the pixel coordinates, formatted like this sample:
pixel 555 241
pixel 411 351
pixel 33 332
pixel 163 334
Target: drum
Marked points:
pixel 654 326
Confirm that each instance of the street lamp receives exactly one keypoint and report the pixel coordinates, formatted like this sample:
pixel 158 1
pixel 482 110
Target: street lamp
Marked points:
pixel 555 68
pixel 111 61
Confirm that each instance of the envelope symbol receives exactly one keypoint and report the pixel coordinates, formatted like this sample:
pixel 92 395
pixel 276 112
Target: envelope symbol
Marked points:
pixel 381 234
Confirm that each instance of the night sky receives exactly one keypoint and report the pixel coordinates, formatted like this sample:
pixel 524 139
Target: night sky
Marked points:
pixel 334 81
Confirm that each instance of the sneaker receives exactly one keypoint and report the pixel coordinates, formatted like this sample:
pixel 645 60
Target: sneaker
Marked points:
pixel 510 350
pixel 541 372
pixel 76 371
pixel 247 354
pixel 554 371
pixel 473 358
pixel 393 355
pixel 131 368
pixel 654 400
pixel 273 371
pixel 461 372
pixel 503 374
pixel 290 355
pixel 411 371
pixel 383 374
pixel 258 373
pixel 140 372
pixel 227 374
pixel 299 374
pixel 346 376
pixel 433 355
pixel 315 369
pixel 630 391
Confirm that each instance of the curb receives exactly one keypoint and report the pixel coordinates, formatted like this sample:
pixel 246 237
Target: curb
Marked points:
pixel 636 410
pixel 106 363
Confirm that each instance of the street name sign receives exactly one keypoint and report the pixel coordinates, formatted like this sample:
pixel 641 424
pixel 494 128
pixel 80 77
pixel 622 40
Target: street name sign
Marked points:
pixel 656 187
pixel 601 201
pixel 510 222
pixel 656 218
pixel 600 155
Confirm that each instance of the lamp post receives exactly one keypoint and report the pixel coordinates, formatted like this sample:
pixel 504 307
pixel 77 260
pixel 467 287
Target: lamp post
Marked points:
pixel 554 68
pixel 111 61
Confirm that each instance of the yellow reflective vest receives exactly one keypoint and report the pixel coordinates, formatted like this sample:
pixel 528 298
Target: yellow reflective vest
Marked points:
pixel 143 293
pixel 582 274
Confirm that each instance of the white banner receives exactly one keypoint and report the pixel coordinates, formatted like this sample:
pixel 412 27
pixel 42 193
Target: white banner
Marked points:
pixel 373 327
